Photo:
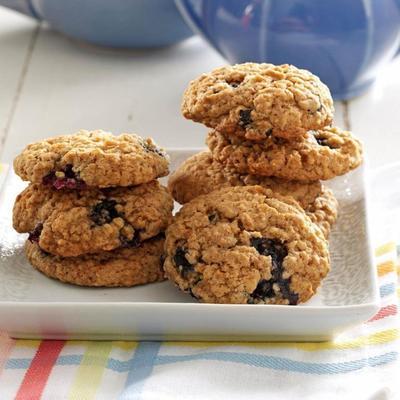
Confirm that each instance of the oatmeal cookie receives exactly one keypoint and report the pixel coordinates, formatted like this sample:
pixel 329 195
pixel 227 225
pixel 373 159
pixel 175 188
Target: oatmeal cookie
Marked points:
pixel 201 174
pixel 71 222
pixel 245 245
pixel 255 101
pixel 92 158
pixel 123 267
pixel 320 155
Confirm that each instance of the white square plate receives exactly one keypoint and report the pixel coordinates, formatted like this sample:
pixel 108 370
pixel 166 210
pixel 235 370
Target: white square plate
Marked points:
pixel 33 306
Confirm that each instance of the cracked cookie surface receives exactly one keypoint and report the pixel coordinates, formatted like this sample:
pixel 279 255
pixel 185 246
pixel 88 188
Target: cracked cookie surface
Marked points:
pixel 122 267
pixel 319 155
pixel 245 245
pixel 201 174
pixel 72 222
pixel 92 158
pixel 255 101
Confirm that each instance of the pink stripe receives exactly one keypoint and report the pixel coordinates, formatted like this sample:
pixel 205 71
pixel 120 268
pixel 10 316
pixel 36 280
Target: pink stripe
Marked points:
pixel 36 376
pixel 384 312
pixel 6 345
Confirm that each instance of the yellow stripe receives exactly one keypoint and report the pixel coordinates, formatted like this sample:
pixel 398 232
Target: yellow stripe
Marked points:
pixel 386 248
pixel 27 343
pixel 89 374
pixel 385 268
pixel 376 338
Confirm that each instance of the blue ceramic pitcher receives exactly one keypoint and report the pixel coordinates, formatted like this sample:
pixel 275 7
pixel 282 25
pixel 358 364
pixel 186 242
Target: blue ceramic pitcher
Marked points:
pixel 344 42
pixel 116 23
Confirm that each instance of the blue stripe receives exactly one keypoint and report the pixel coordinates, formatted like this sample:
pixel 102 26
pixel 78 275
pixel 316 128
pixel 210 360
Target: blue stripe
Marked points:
pixel 69 360
pixel 24 363
pixel 18 363
pixel 386 290
pixel 140 368
pixel 283 364
pixel 141 365
pixel 118 366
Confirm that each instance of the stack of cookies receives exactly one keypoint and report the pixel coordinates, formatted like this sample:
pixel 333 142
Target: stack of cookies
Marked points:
pixel 94 210
pixel 271 127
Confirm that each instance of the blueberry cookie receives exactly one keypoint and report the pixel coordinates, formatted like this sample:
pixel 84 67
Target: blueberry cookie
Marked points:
pixel 201 174
pixel 256 101
pixel 71 222
pixel 122 267
pixel 319 155
pixel 92 158
pixel 245 245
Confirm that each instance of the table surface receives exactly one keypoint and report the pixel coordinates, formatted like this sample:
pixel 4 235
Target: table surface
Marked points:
pixel 51 85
